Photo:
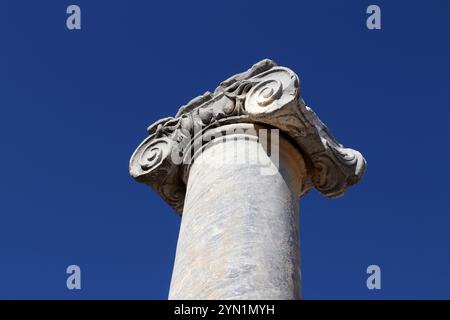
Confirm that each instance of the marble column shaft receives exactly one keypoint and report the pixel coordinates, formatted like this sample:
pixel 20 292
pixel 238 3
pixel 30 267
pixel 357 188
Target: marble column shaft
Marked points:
pixel 239 229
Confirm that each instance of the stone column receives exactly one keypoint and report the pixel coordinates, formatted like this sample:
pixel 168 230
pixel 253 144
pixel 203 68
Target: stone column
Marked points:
pixel 239 231
pixel 238 193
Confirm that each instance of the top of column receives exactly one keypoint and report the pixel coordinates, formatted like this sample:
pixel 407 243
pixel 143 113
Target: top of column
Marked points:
pixel 265 94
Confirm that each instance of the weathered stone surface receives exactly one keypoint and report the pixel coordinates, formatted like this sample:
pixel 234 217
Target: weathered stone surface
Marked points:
pixel 265 94
pixel 238 191
pixel 239 231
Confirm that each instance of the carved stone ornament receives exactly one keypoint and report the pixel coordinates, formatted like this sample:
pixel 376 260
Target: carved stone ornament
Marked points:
pixel 265 94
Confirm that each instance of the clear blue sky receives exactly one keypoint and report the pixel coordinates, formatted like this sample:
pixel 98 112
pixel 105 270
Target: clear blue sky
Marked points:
pixel 75 104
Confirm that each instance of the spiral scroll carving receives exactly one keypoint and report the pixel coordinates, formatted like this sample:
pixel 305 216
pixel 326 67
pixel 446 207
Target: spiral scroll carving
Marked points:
pixel 265 94
pixel 153 154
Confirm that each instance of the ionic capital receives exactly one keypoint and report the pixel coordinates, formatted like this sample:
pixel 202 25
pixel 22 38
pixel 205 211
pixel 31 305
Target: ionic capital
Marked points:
pixel 267 95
